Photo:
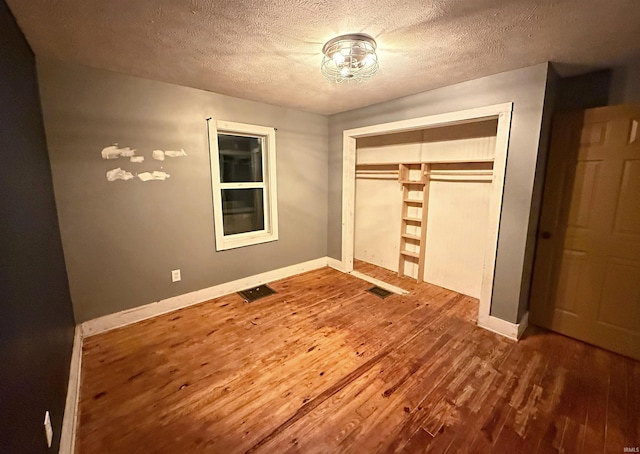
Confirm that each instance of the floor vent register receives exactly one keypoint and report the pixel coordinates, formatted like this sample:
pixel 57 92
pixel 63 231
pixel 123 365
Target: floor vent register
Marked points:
pixel 252 294
pixel 379 292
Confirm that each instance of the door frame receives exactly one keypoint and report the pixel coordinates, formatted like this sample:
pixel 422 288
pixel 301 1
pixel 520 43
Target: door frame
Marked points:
pixel 501 112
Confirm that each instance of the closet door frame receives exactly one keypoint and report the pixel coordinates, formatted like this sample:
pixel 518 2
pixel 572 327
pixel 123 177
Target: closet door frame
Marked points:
pixel 501 112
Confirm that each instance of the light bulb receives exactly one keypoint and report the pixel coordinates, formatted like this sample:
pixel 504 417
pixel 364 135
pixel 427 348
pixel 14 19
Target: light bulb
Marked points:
pixel 369 59
pixel 338 58
pixel 345 71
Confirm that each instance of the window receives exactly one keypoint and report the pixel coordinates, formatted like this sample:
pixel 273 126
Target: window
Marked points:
pixel 243 178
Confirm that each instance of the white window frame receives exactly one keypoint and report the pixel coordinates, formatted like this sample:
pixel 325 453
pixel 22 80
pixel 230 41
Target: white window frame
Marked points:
pixel 268 184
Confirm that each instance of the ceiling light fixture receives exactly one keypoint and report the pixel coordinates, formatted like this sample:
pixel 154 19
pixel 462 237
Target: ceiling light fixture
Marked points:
pixel 349 58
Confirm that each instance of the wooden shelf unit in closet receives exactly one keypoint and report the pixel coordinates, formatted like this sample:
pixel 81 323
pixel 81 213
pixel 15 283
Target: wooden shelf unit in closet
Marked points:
pixel 409 187
pixel 410 184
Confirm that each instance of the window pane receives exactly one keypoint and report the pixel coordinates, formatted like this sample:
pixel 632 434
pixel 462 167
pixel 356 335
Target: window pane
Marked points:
pixel 242 210
pixel 240 158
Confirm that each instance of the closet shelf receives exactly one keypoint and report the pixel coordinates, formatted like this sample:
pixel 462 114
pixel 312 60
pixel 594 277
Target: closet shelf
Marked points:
pixel 378 172
pixel 461 172
pixel 461 178
pixel 434 161
pixel 410 186
pixel 411 254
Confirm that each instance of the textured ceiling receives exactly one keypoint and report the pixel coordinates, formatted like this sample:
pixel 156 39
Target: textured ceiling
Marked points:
pixel 271 51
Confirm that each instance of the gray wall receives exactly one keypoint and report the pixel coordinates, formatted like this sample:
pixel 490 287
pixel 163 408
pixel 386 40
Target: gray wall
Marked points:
pixel 36 318
pixel 551 100
pixel 585 91
pixel 121 239
pixel 526 88
pixel 625 84
pixel 606 87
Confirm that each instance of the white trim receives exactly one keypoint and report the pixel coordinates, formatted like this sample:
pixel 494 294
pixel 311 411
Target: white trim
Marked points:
pixel 119 319
pixel 335 264
pixel 524 323
pixel 502 112
pixel 379 283
pixel 70 418
pixel 268 185
pixel 348 200
pixel 243 128
pixel 432 121
pixel 511 330
pixel 259 185
pixel 495 209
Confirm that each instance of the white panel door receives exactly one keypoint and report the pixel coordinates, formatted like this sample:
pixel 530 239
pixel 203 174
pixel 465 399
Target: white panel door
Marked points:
pixel 587 274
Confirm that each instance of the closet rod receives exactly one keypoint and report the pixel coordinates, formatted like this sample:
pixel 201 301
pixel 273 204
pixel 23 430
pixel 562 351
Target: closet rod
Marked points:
pixel 376 171
pixel 371 177
pixel 434 161
pixel 461 178
pixel 461 172
pixel 378 164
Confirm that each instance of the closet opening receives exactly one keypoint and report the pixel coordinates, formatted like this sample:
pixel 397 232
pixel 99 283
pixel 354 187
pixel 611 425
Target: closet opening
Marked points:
pixel 422 203
pixel 423 198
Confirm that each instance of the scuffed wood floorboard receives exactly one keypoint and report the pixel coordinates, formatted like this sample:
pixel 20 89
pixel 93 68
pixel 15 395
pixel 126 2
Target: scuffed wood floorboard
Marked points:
pixel 323 366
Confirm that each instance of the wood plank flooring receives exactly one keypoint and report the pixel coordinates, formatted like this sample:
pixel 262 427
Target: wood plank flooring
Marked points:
pixel 323 366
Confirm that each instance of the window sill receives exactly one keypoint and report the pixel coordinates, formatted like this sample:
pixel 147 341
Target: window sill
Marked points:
pixel 245 239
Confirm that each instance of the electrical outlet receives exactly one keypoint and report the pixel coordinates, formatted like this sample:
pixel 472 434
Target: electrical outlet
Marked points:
pixel 48 430
pixel 175 275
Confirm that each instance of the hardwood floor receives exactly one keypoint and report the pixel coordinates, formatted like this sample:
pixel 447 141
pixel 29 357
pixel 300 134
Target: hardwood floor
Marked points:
pixel 323 366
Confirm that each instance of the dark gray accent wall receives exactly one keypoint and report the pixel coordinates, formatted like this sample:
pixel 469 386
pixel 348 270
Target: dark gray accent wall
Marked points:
pixel 550 106
pixel 122 239
pixel 36 319
pixel 526 88
pixel 584 91
pixel 625 83
pixel 607 87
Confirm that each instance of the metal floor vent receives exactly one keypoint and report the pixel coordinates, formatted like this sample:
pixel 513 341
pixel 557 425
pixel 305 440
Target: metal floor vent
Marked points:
pixel 379 292
pixel 256 293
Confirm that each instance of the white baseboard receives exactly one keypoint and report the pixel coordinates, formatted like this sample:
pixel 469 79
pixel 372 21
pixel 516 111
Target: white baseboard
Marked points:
pixel 68 432
pixel 335 264
pixel 119 319
pixel 112 321
pixel 511 330
pixel 379 283
pixel 523 324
